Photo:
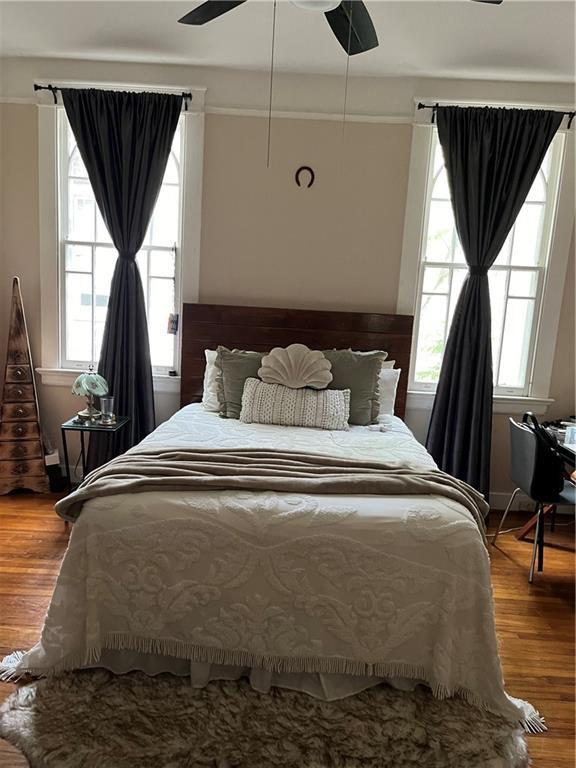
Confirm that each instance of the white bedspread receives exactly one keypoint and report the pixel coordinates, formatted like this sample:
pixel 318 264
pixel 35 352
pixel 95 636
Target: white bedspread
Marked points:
pixel 350 585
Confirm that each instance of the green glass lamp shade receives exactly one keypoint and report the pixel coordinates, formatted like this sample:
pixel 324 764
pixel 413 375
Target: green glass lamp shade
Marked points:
pixel 90 384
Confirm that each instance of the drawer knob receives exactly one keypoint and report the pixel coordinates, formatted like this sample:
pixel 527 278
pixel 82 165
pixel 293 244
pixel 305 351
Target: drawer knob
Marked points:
pixel 20 412
pixel 18 451
pixel 19 373
pixel 20 469
pixel 19 430
pixel 19 392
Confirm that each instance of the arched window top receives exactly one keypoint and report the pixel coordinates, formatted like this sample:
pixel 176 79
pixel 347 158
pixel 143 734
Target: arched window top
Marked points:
pixel 440 188
pixel 172 173
pixel 76 165
pixel 538 190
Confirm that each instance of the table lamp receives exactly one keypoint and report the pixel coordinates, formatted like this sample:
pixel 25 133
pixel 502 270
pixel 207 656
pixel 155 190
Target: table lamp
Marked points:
pixel 87 385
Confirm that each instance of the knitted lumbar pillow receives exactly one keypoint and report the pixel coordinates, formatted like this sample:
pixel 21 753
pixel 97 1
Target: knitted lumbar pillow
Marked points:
pixel 304 407
pixel 296 366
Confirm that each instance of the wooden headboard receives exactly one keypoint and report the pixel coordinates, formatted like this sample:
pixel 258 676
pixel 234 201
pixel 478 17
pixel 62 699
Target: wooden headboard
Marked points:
pixel 205 326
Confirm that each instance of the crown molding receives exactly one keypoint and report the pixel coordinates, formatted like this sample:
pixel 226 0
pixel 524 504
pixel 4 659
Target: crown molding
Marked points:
pixel 336 117
pixel 18 100
pixel 333 117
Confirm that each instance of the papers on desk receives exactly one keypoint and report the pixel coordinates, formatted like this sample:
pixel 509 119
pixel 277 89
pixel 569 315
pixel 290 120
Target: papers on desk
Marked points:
pixel 570 438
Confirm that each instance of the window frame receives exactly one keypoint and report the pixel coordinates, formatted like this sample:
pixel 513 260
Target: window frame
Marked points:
pixel 52 371
pixel 557 232
pixel 541 268
pixel 63 160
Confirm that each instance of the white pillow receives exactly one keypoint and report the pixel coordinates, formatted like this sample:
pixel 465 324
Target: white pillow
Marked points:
pixel 388 363
pixel 210 390
pixel 387 384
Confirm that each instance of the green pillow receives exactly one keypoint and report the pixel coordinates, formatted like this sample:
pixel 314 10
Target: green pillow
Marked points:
pixel 233 367
pixel 358 372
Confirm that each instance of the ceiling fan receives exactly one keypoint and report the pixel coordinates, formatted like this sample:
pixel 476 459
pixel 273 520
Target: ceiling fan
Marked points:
pixel 349 19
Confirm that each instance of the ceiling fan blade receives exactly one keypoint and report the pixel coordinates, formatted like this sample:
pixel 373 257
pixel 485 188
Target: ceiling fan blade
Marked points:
pixel 208 11
pixel 352 25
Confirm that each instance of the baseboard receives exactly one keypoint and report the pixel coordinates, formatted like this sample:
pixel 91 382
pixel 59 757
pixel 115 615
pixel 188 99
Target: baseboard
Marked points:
pixel 499 501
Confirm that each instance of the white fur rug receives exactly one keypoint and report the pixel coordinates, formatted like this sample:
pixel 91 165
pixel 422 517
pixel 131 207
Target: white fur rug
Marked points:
pixel 94 719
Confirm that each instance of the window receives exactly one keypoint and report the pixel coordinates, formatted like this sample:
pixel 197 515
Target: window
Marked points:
pixel 516 279
pixel 87 259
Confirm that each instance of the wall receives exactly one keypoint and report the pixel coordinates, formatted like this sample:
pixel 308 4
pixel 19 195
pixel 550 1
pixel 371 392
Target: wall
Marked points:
pixel 19 206
pixel 393 96
pixel 264 241
pixel 562 389
pixel 336 245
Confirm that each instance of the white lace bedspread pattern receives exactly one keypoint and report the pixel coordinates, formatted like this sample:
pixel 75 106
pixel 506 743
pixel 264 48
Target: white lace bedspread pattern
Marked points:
pixel 389 586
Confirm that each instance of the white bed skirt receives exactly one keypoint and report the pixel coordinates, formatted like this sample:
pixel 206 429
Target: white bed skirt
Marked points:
pixel 328 687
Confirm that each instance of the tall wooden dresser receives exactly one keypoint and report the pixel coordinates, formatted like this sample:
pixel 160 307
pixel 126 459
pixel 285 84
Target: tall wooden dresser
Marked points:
pixel 21 451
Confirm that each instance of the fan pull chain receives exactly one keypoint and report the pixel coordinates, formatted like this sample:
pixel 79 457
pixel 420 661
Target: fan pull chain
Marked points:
pixel 271 84
pixel 347 71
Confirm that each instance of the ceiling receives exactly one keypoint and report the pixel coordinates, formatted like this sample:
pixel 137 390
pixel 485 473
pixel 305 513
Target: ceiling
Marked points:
pixel 530 40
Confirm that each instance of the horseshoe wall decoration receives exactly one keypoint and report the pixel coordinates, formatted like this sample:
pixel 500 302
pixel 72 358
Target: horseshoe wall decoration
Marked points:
pixel 301 170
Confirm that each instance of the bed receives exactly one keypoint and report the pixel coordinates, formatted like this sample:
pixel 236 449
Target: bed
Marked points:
pixel 328 593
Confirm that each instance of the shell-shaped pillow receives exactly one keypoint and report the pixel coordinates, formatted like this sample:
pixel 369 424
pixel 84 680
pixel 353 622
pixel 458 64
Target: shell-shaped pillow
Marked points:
pixel 296 366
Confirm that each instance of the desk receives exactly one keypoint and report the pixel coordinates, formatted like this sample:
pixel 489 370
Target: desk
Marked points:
pixel 72 425
pixel 568 453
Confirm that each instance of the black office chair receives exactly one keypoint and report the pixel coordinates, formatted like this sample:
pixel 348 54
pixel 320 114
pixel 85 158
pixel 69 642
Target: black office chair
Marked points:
pixel 536 470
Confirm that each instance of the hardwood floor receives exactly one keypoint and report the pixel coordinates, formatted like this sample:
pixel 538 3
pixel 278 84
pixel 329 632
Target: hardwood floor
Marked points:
pixel 535 623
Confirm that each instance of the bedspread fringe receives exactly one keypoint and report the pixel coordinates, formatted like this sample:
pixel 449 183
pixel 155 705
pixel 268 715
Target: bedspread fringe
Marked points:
pixel 9 672
pixel 531 722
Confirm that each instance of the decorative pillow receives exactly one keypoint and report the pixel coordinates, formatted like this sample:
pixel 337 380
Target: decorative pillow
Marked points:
pixel 388 364
pixel 210 389
pixel 358 372
pixel 233 367
pixel 388 382
pixel 296 366
pixel 275 404
pixel 369 352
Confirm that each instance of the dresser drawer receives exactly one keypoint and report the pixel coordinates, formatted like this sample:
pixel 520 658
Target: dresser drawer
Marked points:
pixel 18 373
pixel 38 483
pixel 21 449
pixel 14 393
pixel 18 412
pixel 17 356
pixel 19 430
pixel 29 467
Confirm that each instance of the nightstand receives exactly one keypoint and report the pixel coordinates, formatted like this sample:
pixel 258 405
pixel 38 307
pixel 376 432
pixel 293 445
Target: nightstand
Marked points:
pixel 73 425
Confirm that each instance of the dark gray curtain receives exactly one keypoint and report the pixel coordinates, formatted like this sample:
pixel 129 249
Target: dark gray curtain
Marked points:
pixel 124 140
pixel 492 156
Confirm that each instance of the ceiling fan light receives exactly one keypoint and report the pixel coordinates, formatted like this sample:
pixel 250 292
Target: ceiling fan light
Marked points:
pixel 316 5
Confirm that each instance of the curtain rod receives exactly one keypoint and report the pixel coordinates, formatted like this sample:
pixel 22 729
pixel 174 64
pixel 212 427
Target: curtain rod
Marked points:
pixel 186 95
pixel 434 107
